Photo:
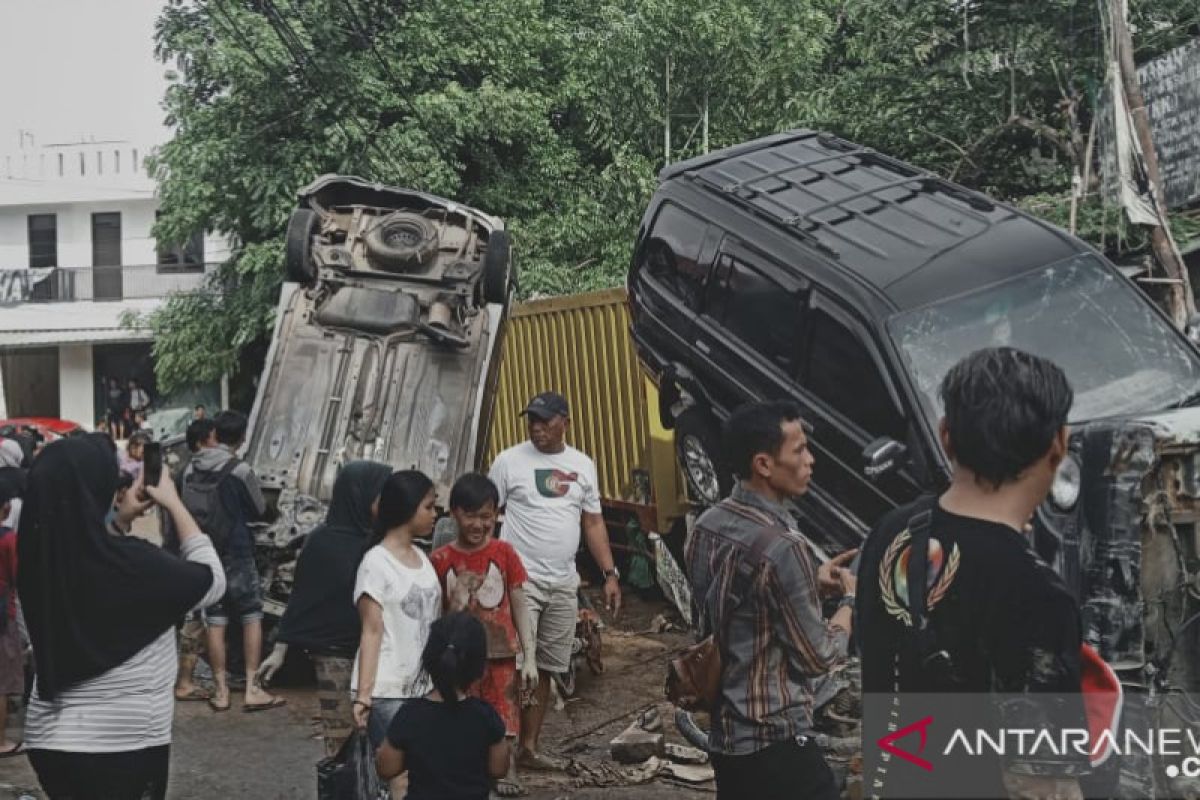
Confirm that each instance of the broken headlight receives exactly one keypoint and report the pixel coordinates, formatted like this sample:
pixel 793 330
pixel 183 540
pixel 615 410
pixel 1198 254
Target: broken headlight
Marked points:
pixel 1064 493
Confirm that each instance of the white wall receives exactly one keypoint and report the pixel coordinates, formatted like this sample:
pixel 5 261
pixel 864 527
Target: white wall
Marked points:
pixel 75 233
pixel 76 384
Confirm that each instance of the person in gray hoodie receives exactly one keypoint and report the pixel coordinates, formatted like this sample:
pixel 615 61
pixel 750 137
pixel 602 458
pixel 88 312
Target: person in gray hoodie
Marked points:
pixel 241 502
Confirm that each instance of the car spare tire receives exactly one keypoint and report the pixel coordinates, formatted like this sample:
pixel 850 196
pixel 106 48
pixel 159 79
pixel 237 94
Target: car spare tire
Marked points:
pixel 401 241
pixel 497 268
pixel 299 264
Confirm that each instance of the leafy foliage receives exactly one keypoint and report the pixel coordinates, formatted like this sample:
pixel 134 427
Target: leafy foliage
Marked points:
pixel 552 115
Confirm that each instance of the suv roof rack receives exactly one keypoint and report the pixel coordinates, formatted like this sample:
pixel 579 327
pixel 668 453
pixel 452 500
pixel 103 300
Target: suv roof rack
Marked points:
pixel 832 162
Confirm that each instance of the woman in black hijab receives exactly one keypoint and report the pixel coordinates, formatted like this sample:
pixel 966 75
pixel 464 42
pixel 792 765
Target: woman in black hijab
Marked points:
pixel 320 616
pixel 101 612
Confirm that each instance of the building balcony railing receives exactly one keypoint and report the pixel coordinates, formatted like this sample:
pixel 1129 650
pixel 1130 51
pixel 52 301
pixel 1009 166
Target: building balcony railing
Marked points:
pixel 141 281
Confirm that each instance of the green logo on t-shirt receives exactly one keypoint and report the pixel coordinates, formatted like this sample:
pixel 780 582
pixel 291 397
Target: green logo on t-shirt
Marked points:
pixel 554 482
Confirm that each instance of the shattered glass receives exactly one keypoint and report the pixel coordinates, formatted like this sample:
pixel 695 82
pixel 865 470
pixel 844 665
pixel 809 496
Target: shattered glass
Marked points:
pixel 1119 354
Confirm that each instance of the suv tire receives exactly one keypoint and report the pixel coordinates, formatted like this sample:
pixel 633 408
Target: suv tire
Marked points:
pixel 697 443
pixel 302 226
pixel 497 268
pixel 402 240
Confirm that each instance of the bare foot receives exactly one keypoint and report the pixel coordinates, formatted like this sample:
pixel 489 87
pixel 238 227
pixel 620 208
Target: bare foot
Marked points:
pixel 538 762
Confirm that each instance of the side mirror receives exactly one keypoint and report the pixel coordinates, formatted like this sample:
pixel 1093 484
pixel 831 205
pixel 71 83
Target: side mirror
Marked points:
pixel 882 456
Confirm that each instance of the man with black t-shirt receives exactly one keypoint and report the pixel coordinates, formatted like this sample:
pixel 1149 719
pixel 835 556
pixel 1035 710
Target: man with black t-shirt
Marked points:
pixel 1000 621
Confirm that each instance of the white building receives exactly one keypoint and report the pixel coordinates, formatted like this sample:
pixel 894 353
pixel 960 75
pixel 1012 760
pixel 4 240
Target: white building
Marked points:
pixel 76 255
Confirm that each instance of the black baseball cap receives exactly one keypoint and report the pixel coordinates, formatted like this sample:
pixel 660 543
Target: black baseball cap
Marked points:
pixel 547 405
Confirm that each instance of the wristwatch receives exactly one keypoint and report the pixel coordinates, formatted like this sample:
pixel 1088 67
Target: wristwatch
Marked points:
pixel 846 600
pixel 612 573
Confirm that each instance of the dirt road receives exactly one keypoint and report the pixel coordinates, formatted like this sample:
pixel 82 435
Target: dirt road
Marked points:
pixel 272 755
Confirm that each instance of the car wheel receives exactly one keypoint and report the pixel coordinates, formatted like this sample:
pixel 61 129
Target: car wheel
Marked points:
pixel 497 268
pixel 402 240
pixel 302 227
pixel 697 444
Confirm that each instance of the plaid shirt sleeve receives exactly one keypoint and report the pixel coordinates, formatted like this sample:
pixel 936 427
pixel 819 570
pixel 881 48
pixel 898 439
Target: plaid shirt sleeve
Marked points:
pixel 791 584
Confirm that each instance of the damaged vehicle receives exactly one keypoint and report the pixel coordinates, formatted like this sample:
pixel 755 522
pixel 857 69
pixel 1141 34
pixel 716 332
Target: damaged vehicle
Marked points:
pixel 386 347
pixel 804 266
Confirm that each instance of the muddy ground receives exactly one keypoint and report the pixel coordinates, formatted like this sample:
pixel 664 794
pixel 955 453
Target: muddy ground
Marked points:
pixel 270 755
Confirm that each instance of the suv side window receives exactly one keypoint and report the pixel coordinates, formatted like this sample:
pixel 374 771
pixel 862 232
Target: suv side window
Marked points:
pixel 842 373
pixel 757 310
pixel 672 253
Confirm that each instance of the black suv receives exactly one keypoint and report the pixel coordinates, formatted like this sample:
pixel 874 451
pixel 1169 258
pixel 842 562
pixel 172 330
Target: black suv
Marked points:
pixel 804 266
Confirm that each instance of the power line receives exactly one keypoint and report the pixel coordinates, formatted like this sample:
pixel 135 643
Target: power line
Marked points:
pixel 300 56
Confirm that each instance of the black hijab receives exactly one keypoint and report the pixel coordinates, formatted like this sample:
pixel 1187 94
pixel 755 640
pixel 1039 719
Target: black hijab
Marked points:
pixel 91 600
pixel 320 614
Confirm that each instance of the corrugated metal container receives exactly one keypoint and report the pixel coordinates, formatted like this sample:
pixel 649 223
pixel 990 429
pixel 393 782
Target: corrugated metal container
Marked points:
pixel 580 346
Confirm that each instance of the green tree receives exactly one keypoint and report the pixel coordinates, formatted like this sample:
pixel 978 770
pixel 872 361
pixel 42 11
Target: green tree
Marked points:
pixel 552 115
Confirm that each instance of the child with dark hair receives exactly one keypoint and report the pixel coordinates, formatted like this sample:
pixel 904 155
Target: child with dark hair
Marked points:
pixel 450 743
pixel 398 598
pixel 484 576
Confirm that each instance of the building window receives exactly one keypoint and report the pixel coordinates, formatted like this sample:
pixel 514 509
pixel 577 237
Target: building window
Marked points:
pixel 186 257
pixel 116 161
pixel 43 240
pixel 82 164
pixel 135 160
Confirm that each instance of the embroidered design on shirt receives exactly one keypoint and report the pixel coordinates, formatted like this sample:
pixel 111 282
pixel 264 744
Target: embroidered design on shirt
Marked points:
pixel 554 482
pixel 893 575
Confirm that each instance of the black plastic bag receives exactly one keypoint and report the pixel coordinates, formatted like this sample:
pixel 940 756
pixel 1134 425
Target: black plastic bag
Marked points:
pixel 350 775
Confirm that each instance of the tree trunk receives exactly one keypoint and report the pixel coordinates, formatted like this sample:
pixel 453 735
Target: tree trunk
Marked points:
pixel 1181 302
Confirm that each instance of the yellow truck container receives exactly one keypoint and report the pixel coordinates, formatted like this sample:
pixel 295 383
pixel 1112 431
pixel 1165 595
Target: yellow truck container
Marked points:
pixel 579 346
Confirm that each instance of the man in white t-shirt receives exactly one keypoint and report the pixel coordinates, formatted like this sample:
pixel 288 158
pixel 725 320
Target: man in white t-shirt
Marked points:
pixel 549 492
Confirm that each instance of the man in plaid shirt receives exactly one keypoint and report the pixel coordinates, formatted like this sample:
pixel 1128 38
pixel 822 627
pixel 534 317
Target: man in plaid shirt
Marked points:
pixel 777 640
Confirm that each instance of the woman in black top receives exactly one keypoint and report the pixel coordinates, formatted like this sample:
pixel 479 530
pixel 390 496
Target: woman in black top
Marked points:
pixel 320 617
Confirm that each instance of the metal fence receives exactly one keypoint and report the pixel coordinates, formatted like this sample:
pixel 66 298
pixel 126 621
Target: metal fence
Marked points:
pixel 139 281
pixel 580 347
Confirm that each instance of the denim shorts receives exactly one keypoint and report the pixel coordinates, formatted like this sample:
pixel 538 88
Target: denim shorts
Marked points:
pixel 380 718
pixel 243 594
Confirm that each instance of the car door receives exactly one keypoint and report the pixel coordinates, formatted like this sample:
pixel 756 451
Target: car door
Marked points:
pixel 854 399
pixel 747 336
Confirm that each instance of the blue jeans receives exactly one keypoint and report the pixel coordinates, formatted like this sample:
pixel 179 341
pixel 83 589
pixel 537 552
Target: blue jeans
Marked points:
pixel 380 718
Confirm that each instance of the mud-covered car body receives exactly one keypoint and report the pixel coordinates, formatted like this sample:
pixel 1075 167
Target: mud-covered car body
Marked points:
pixel 803 266
pixel 385 348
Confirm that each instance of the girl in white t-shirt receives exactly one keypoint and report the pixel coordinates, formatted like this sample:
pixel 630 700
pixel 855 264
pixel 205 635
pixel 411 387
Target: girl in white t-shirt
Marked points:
pixel 398 598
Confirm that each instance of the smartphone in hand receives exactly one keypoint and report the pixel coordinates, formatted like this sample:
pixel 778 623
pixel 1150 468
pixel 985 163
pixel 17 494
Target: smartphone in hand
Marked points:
pixel 152 464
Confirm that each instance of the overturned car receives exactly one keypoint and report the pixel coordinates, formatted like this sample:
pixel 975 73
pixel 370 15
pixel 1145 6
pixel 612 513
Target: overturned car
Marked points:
pixel 385 348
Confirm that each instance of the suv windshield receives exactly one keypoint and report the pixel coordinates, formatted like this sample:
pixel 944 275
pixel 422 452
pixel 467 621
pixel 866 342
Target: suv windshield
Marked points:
pixel 1120 356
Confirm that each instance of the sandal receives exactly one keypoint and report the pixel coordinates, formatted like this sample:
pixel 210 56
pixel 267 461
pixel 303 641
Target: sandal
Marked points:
pixel 504 787
pixel 196 693
pixel 215 706
pixel 274 702
pixel 18 749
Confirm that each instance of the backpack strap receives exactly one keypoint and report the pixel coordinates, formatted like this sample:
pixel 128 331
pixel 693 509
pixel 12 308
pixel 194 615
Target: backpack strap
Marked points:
pixel 918 566
pixel 921 652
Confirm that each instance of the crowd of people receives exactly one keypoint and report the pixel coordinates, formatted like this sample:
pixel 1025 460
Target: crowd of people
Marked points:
pixel 444 661
pixel 126 405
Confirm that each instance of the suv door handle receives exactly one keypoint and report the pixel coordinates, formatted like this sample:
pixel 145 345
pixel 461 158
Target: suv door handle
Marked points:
pixel 703 348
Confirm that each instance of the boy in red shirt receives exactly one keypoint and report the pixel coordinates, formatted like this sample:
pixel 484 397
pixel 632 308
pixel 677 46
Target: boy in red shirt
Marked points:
pixel 483 576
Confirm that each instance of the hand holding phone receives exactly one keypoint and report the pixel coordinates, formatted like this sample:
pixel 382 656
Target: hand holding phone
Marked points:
pixel 152 464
